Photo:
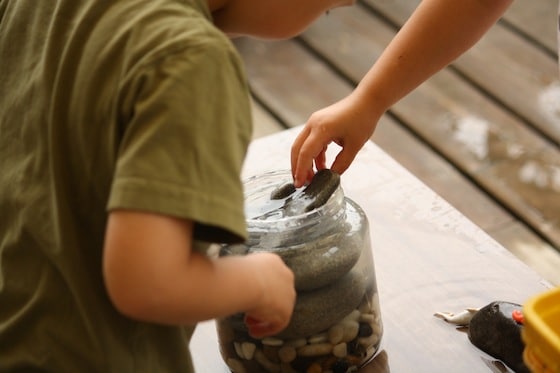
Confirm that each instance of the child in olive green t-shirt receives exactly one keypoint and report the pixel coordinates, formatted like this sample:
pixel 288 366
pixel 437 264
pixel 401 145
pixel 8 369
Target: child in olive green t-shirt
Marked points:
pixel 123 130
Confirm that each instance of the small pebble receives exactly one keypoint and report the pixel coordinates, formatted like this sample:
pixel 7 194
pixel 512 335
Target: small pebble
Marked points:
pixel 271 352
pixel 377 328
pixel 364 308
pixel 336 333
pixel 352 316
pixel 318 338
pixel 322 186
pixel 340 350
pixel 368 341
pixel 375 303
pixel 238 350
pixel 351 329
pixel 315 349
pixel 248 349
pixel 283 191
pixel 287 354
pixel 367 317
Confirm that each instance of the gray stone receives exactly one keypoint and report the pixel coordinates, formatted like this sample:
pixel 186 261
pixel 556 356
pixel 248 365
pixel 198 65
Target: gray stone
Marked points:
pixel 283 191
pixel 315 311
pixel 316 194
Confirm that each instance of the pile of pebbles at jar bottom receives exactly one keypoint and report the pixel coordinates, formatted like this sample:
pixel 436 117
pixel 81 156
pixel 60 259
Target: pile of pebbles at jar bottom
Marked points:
pixel 339 349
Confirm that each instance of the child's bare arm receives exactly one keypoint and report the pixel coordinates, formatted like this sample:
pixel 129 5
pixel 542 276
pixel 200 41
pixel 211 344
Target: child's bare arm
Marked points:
pixel 437 33
pixel 152 274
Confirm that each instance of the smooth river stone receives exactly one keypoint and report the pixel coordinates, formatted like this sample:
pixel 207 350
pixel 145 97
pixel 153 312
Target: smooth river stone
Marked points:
pixel 322 186
pixel 315 311
pixel 283 191
pixel 285 200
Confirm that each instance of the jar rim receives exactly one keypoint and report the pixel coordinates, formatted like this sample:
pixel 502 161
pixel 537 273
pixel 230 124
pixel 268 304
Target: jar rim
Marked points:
pixel 264 183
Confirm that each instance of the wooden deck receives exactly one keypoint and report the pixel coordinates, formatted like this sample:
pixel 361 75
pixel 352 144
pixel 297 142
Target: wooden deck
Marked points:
pixel 484 133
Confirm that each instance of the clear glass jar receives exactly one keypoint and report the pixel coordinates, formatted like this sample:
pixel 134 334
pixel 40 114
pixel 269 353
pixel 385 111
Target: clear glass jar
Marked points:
pixel 336 325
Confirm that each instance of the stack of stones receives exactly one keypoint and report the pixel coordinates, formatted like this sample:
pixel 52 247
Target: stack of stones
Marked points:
pixel 343 347
pixel 336 325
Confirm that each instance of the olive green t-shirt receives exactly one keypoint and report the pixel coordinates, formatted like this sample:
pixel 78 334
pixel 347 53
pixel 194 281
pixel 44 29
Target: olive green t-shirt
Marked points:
pixel 107 104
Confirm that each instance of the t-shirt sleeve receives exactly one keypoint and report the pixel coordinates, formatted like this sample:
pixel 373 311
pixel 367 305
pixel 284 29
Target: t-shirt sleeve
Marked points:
pixel 184 139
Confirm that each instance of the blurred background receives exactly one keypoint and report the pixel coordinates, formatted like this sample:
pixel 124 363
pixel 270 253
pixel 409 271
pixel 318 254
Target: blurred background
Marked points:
pixel 484 133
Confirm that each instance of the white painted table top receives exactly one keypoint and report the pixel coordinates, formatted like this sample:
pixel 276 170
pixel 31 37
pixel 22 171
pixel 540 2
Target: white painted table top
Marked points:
pixel 428 258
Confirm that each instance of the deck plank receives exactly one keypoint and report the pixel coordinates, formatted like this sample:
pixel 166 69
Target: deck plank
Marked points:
pixel 507 66
pixel 537 19
pixel 263 122
pixel 281 76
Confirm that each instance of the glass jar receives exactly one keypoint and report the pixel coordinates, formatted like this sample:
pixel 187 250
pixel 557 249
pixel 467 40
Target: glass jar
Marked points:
pixel 336 324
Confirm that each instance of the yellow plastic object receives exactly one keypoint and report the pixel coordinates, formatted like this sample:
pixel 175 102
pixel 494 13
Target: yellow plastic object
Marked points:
pixel 541 332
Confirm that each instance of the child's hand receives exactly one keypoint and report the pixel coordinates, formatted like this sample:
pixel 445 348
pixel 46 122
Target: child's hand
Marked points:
pixel 347 123
pixel 276 304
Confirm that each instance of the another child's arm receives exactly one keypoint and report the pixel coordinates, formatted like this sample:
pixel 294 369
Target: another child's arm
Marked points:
pixel 152 274
pixel 436 33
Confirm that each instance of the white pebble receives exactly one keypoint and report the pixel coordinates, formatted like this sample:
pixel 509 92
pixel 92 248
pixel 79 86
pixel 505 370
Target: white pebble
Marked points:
pixel 377 328
pixel 365 307
pixel 352 316
pixel 336 332
pixel 248 349
pixel 351 329
pixel 238 350
pixel 340 350
pixel 287 354
pixel 375 307
pixel 318 338
pixel 315 349
pixel 367 318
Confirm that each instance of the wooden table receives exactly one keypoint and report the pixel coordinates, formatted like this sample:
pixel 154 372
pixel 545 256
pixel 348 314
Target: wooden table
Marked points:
pixel 428 258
